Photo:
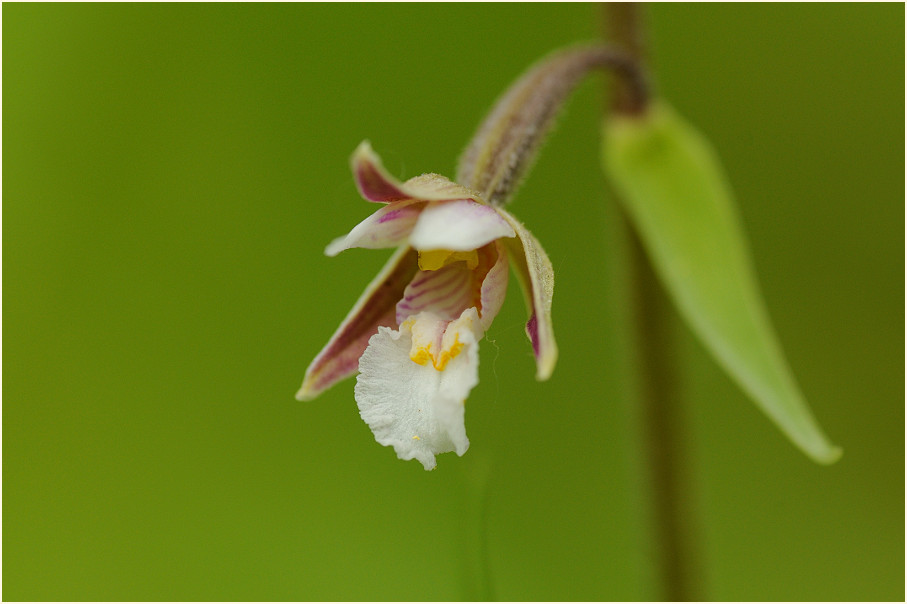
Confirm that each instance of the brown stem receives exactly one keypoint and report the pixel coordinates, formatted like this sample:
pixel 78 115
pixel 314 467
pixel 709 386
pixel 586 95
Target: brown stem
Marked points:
pixel 623 29
pixel 658 418
pixel 661 428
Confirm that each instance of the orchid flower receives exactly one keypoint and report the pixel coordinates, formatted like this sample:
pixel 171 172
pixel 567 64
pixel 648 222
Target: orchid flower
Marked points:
pixel 414 334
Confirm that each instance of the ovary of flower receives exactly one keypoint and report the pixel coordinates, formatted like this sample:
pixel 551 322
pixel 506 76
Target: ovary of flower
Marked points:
pixel 413 335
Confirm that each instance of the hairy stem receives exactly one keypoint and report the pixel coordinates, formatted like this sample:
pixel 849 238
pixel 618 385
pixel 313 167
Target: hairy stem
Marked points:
pixel 658 418
pixel 507 142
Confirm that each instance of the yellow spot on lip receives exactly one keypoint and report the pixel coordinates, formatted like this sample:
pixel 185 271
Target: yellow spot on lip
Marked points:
pixel 447 355
pixel 436 340
pixel 416 438
pixel 422 354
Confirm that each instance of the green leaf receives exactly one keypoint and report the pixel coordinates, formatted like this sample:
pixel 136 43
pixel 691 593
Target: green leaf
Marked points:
pixel 674 190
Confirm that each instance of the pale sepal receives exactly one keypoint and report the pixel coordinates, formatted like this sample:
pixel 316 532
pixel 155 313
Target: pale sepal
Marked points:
pixel 536 276
pixel 372 180
pixel 434 187
pixel 340 357
pixel 376 184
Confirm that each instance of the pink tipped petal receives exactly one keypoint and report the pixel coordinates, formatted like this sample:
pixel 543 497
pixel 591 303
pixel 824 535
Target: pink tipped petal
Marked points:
pixel 340 357
pixel 372 180
pixel 494 286
pixel 536 276
pixel 459 225
pixel 388 227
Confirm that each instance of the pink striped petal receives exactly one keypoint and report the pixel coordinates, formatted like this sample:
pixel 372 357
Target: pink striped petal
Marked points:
pixel 388 227
pixel 340 357
pixel 450 290
pixel 459 225
pixel 536 276
pixel 446 292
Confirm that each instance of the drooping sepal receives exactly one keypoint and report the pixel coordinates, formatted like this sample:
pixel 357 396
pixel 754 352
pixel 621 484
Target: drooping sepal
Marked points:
pixel 536 276
pixel 339 359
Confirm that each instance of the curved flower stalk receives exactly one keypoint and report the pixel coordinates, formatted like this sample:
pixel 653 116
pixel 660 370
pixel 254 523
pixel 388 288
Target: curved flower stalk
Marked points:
pixel 414 334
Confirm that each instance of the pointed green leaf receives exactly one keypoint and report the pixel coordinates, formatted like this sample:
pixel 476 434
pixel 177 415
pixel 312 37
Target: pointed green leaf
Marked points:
pixel 674 190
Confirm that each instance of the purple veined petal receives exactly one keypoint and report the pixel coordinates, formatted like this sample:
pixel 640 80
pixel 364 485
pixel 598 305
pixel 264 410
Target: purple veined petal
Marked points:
pixel 445 292
pixel 536 276
pixel 452 289
pixel 372 180
pixel 388 227
pixel 459 225
pixel 340 357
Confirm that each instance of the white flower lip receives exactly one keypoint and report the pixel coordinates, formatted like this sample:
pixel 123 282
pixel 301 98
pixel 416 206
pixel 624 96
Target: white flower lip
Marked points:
pixel 415 408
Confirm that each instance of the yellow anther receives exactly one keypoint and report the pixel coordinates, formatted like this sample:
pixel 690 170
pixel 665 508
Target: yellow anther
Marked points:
pixel 421 353
pixel 420 356
pixel 446 355
pixel 416 438
pixel 436 340
pixel 432 260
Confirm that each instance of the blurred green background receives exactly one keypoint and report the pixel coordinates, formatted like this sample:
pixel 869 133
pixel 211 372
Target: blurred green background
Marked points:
pixel 172 175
